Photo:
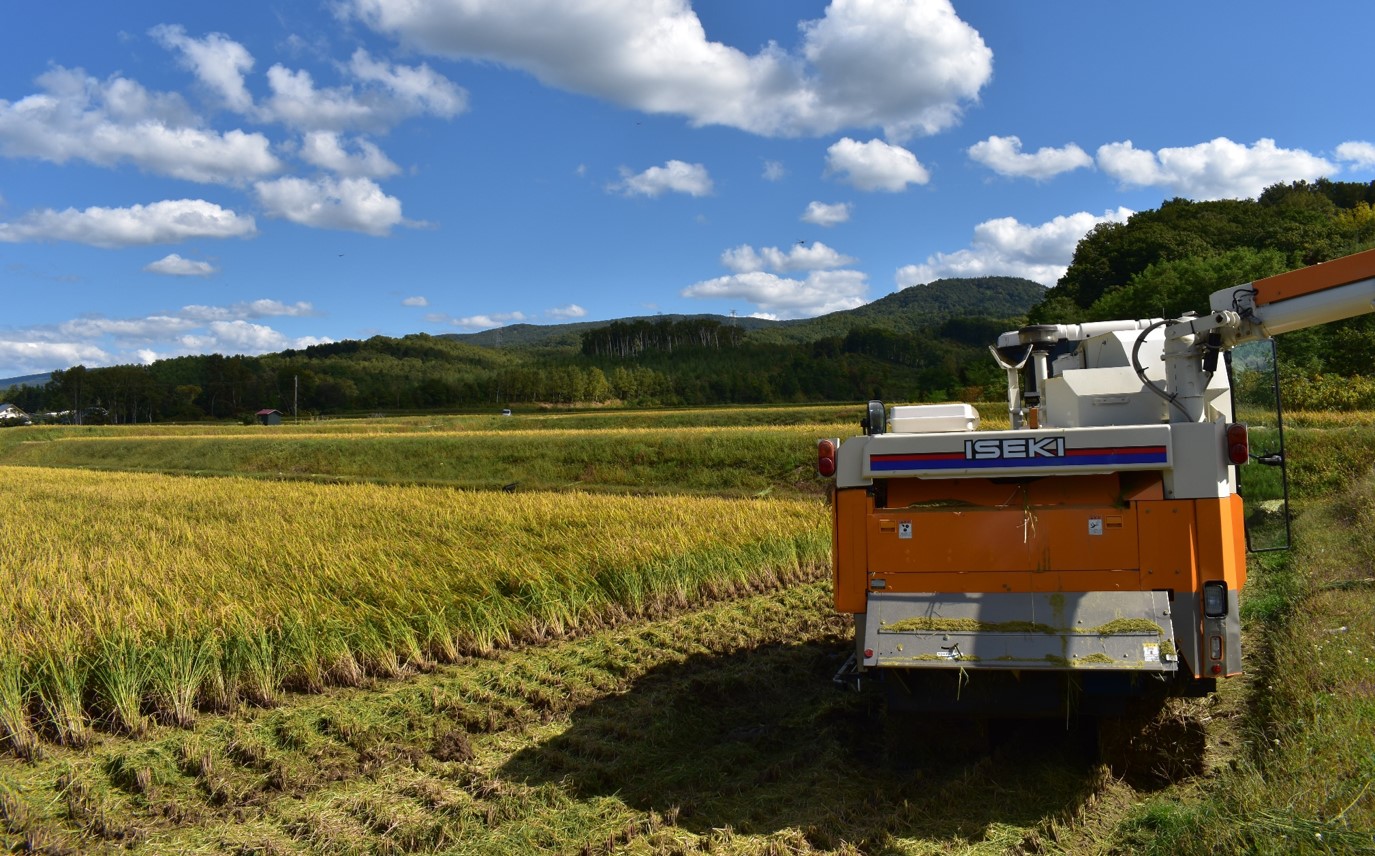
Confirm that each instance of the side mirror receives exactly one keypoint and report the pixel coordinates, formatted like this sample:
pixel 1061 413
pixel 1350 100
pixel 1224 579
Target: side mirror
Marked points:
pixel 875 419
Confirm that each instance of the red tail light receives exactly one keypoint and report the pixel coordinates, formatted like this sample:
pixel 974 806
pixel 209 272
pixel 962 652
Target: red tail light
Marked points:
pixel 1238 448
pixel 826 457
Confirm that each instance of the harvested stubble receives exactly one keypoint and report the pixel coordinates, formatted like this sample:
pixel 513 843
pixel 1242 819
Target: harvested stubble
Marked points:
pixel 129 595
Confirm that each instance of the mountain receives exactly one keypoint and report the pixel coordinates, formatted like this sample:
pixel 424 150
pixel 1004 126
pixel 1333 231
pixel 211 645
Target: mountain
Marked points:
pixel 917 307
pixel 905 311
pixel 26 380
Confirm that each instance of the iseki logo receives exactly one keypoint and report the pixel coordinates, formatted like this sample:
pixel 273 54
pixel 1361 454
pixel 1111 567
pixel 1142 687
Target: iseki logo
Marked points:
pixel 1024 447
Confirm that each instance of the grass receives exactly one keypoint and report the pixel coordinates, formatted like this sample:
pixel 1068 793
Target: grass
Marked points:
pixel 1304 781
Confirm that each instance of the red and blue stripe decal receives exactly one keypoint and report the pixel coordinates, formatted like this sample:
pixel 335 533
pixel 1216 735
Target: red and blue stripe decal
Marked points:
pixel 1090 457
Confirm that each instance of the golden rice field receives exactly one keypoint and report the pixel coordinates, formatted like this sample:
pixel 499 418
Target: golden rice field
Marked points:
pixel 134 595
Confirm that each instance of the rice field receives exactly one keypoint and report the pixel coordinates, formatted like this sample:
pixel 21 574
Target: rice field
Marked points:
pixel 129 596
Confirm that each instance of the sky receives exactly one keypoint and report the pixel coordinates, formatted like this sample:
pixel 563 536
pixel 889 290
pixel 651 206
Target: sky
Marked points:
pixel 240 178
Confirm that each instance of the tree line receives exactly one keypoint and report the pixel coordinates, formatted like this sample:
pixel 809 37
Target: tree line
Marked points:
pixel 1160 262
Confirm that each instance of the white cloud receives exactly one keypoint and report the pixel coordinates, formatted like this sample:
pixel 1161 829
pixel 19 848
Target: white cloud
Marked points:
pixel 420 89
pixel 484 322
pixel 163 222
pixel 134 329
pixel 263 308
pixel 774 170
pixel 117 121
pixel 390 94
pixel 821 292
pixel 217 61
pixel 1006 247
pixel 175 265
pixel 676 176
pixel 295 101
pixel 570 311
pixel 415 301
pixel 95 340
pixel 324 149
pixel 25 357
pixel 1218 169
pixel 354 204
pixel 822 214
pixel 875 165
pixel 244 337
pixel 274 308
pixel 1359 154
pixel 906 66
pixel 1004 156
pixel 818 256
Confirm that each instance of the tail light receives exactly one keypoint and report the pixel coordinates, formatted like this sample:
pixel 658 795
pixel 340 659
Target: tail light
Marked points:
pixel 826 457
pixel 1238 448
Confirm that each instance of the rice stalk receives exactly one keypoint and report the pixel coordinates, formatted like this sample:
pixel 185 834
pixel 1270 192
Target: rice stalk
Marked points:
pixel 60 677
pixel 15 728
pixel 121 671
pixel 181 665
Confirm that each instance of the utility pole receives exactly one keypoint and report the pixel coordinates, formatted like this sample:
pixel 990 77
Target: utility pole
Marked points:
pixel 296 397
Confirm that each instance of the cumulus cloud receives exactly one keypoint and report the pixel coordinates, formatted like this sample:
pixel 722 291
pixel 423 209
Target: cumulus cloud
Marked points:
pixel 781 297
pixel 416 89
pixel 117 121
pixel 1359 154
pixel 1217 169
pixel 774 170
pixel 906 67
pixel 1006 247
pixel 165 222
pixel 568 312
pixel 219 62
pixel 1004 156
pixel 262 308
pixel 415 301
pixel 818 256
pixel 875 165
pixel 676 176
pixel 96 340
pixel 325 150
pixel 133 329
pixel 485 322
pixel 353 204
pixel 395 93
pixel 175 265
pixel 755 278
pixel 822 214
pixel 21 357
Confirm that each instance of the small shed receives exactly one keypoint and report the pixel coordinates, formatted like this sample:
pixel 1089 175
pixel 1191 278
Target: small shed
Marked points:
pixel 269 417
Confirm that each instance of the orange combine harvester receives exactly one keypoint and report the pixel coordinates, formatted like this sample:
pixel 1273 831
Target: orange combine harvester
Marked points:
pixel 1093 552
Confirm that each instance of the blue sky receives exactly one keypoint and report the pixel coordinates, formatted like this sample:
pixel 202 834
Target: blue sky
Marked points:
pixel 184 178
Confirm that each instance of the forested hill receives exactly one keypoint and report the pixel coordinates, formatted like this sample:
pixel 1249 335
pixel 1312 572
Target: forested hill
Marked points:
pixel 914 309
pixel 907 311
pixel 1166 261
pixel 568 337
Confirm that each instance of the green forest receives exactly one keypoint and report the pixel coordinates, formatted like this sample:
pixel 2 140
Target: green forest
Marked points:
pixel 925 343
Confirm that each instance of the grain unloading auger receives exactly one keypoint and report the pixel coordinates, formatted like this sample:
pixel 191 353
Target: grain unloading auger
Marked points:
pixel 1094 551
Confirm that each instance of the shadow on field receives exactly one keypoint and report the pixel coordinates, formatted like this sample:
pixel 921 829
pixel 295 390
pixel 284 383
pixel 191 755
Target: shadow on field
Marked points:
pixel 760 741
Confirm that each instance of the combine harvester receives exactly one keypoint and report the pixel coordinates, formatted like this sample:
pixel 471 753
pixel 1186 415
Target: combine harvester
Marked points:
pixel 1093 553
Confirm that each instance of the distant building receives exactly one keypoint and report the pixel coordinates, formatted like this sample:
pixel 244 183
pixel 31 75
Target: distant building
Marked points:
pixel 11 415
pixel 269 417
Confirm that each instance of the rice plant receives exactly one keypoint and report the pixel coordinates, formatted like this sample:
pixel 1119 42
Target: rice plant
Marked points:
pixel 142 594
